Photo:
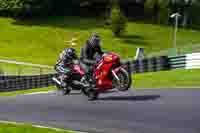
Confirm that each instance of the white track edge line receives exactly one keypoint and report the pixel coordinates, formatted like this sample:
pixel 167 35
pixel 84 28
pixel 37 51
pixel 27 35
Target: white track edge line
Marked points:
pixel 38 126
pixel 41 92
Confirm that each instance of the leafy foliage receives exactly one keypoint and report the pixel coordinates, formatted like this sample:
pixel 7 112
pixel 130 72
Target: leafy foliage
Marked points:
pixel 157 10
pixel 194 14
pixel 31 8
pixel 118 22
pixel 10 7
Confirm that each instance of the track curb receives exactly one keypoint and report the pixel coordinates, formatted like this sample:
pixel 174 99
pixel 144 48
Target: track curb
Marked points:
pixel 38 126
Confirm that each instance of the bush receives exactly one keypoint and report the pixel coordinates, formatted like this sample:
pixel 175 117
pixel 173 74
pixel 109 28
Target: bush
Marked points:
pixel 194 15
pixel 10 7
pixel 66 7
pixel 25 8
pixel 157 10
pixel 118 22
pixel 164 12
pixel 37 8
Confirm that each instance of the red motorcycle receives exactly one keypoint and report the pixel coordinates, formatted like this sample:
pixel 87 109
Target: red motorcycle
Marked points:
pixel 75 81
pixel 108 74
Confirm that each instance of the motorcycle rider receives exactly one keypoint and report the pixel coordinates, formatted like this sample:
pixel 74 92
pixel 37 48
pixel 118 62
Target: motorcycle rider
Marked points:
pixel 67 56
pixel 91 52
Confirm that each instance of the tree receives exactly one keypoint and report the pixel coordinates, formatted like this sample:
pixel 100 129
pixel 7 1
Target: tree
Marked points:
pixel 37 8
pixel 158 9
pixel 118 21
pixel 10 7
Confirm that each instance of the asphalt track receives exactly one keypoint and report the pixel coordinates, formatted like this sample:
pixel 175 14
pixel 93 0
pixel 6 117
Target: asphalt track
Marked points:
pixel 141 111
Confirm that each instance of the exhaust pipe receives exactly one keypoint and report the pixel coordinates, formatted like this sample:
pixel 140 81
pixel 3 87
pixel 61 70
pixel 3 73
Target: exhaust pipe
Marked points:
pixel 56 80
pixel 74 82
pixel 80 83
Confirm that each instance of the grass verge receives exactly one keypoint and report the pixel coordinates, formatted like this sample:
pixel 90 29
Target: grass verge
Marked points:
pixel 21 92
pixel 12 69
pixel 40 41
pixel 168 79
pixel 22 128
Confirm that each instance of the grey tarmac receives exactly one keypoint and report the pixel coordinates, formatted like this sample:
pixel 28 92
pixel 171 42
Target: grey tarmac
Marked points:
pixel 135 111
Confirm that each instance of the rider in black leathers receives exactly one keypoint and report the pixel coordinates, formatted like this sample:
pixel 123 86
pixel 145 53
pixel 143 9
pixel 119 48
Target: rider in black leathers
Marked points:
pixel 90 52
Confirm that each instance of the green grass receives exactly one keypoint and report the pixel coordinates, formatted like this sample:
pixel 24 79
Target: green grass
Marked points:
pixel 12 128
pixel 12 69
pixel 21 92
pixel 168 79
pixel 41 41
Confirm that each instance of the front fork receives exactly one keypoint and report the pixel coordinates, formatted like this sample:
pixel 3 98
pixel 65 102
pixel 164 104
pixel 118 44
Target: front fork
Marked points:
pixel 115 75
pixel 56 80
pixel 60 80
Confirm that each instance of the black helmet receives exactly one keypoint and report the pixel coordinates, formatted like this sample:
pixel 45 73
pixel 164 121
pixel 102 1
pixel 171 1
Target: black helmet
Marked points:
pixel 70 53
pixel 95 40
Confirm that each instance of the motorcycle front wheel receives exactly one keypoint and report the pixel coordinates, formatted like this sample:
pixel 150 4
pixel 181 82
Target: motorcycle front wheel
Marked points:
pixel 124 80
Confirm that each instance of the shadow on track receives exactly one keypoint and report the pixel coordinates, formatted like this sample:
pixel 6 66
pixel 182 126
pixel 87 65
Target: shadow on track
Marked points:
pixel 130 98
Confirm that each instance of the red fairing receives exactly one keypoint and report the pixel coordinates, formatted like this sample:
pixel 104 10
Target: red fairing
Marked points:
pixel 103 70
pixel 111 58
pixel 76 68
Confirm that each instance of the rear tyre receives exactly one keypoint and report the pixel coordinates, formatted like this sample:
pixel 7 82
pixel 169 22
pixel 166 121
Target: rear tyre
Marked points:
pixel 84 92
pixel 66 91
pixel 63 91
pixel 92 95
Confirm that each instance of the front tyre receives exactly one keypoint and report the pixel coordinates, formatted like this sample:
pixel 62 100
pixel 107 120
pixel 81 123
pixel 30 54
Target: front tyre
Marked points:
pixel 124 81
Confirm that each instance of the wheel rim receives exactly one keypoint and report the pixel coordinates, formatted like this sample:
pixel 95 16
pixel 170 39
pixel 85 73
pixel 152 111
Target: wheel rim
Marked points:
pixel 124 81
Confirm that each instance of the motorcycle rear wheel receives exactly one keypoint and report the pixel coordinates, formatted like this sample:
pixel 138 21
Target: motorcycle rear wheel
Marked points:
pixel 92 94
pixel 64 91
